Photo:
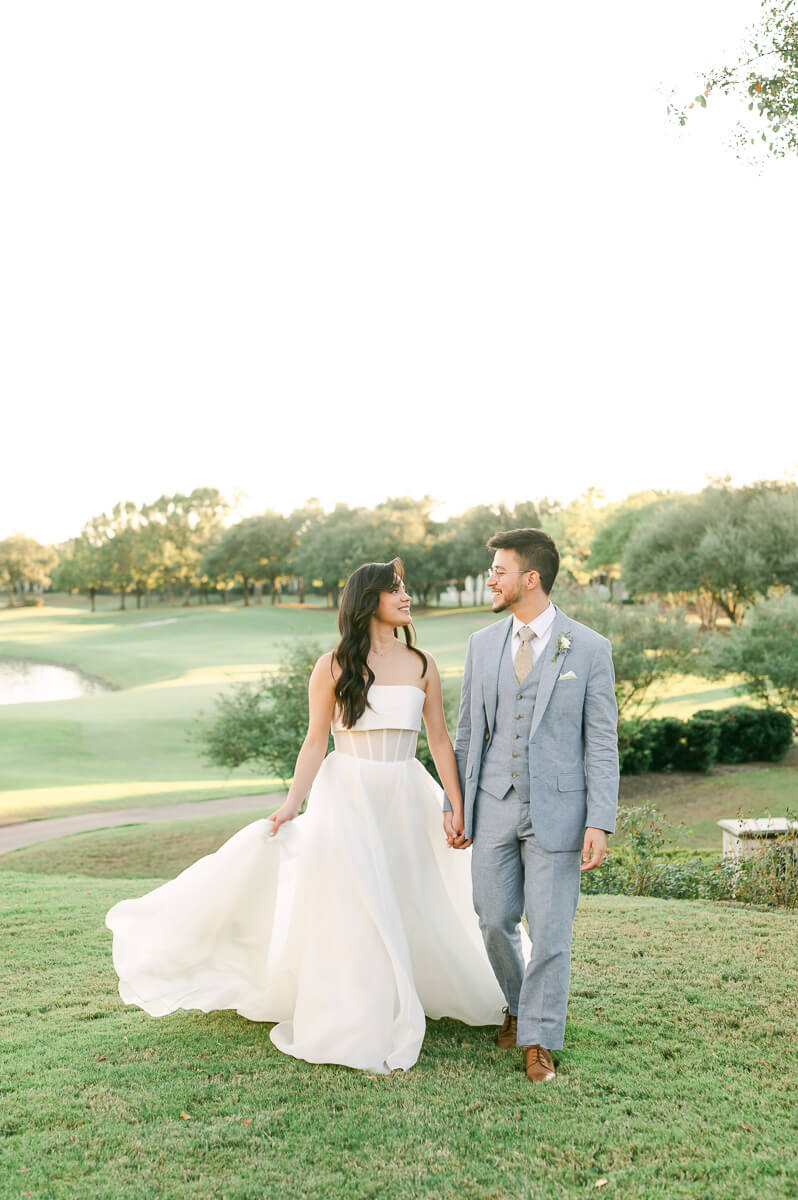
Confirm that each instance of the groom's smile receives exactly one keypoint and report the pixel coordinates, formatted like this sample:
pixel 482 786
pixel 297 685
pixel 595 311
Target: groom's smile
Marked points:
pixel 504 579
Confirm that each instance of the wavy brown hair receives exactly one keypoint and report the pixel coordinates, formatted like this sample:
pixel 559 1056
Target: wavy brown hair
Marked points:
pixel 359 602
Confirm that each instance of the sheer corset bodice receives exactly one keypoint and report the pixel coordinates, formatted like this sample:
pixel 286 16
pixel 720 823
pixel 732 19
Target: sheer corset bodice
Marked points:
pixel 378 745
pixel 388 729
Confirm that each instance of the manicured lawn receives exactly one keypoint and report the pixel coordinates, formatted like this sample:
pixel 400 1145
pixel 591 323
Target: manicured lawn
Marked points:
pixel 678 1078
pixel 134 745
pixel 700 801
pixel 131 851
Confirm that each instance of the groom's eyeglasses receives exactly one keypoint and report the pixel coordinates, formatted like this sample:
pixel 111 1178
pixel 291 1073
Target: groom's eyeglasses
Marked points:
pixel 500 571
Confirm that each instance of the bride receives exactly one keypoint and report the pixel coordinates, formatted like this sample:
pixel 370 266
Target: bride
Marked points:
pixel 347 924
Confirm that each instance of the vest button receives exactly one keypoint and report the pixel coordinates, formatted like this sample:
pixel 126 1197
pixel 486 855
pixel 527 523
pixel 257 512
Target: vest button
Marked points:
pixel 518 716
pixel 514 754
pixel 518 697
pixel 516 735
pixel 515 774
pixel 487 737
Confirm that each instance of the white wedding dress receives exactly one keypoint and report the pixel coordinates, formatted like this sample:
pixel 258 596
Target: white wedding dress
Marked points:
pixel 345 928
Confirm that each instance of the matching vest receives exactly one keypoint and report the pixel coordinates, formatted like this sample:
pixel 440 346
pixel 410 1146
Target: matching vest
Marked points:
pixel 505 763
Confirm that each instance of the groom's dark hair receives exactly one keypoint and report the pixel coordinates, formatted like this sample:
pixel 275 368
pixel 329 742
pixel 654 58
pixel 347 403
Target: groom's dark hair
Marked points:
pixel 536 551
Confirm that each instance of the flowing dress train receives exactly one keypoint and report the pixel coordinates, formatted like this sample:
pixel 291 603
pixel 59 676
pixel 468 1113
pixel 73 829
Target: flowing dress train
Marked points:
pixel 345 929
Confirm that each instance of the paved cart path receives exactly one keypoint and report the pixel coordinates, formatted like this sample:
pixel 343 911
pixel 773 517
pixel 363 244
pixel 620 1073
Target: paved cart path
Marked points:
pixel 27 833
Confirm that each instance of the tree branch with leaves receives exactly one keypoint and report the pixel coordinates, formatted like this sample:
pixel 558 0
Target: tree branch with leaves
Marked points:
pixel 765 79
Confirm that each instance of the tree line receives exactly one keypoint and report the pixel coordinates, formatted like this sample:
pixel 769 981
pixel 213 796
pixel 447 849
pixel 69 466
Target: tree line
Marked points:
pixel 715 551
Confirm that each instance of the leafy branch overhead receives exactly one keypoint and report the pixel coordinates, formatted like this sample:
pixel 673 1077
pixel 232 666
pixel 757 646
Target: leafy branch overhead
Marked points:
pixel 764 78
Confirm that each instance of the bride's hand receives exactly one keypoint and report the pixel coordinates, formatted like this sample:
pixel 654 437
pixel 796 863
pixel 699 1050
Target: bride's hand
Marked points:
pixel 286 812
pixel 454 825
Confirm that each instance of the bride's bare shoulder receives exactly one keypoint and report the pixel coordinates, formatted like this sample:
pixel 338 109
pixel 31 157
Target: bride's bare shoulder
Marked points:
pixel 327 669
pixel 431 668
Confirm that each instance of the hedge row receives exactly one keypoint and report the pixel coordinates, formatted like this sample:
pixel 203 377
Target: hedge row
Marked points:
pixel 727 735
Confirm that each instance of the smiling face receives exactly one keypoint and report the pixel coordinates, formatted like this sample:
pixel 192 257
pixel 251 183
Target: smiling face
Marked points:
pixel 508 582
pixel 394 606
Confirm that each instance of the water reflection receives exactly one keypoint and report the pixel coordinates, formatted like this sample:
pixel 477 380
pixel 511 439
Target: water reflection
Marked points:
pixel 23 681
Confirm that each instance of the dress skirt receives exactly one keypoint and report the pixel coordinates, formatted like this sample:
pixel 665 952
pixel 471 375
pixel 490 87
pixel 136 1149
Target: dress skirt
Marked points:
pixel 345 929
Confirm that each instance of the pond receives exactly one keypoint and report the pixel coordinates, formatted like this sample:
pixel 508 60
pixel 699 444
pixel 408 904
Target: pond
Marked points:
pixel 25 681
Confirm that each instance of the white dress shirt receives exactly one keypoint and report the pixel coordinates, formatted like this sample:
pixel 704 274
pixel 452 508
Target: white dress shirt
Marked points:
pixel 542 628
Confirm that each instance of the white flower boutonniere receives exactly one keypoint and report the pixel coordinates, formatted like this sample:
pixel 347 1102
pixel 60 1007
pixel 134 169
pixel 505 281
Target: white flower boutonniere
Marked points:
pixel 563 644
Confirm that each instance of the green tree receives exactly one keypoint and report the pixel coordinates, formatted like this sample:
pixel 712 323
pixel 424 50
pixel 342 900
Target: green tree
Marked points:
pixel 763 649
pixel 145 561
pixel 263 724
pixel 764 79
pixel 253 550
pixel 404 528
pixel 334 544
pixel 525 515
pixel 267 544
pixel 216 565
pixel 25 564
pixel 115 536
pixel 715 548
pixel 613 535
pixel 464 553
pixel 574 528
pixel 650 643
pixel 82 567
pixel 185 526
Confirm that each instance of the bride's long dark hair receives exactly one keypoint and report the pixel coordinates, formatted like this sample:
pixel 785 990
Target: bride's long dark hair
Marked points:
pixel 359 602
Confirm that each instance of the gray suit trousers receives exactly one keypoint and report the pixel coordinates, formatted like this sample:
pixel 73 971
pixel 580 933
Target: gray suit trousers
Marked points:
pixel 511 874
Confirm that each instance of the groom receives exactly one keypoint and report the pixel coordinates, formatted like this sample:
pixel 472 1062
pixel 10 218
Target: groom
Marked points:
pixel 537 755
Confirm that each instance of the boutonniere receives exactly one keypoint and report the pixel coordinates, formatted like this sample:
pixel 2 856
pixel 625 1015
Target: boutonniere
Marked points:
pixel 563 644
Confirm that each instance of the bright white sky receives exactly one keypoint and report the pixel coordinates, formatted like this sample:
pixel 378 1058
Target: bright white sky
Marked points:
pixel 351 250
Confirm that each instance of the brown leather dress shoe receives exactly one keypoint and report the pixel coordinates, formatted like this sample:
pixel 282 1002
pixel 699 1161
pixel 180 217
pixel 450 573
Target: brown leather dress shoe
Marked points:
pixel 539 1064
pixel 509 1031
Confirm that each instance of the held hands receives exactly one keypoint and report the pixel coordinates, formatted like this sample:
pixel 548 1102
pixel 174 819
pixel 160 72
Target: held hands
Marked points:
pixel 454 828
pixel 594 850
pixel 286 812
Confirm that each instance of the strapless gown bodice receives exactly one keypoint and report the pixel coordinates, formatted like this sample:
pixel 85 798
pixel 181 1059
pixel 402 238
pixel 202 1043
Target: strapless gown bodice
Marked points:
pixel 388 729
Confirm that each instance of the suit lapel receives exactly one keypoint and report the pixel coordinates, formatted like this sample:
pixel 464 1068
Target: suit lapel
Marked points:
pixel 552 667
pixel 490 679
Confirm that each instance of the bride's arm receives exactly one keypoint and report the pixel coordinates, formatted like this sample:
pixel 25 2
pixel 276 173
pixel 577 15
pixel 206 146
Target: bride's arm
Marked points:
pixel 321 695
pixel 440 745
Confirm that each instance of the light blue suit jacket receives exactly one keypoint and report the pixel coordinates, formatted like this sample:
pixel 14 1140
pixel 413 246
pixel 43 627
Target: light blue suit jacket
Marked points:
pixel 573 740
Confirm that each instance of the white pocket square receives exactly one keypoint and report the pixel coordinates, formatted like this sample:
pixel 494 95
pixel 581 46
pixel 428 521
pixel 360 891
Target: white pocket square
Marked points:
pixel 568 675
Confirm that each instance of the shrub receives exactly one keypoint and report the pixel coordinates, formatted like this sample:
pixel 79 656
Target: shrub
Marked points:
pixel 643 831
pixel 634 753
pixel 641 866
pixel 751 734
pixel 771 875
pixel 665 734
pixel 264 723
pixel 698 746
pixel 743 734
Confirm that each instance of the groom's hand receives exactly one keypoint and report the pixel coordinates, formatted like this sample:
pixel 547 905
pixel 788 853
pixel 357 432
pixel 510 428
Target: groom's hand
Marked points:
pixel 594 850
pixel 455 831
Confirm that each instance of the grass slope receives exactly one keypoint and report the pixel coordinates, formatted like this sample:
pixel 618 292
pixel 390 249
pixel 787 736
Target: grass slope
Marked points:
pixel 678 1078
pixel 700 801
pixel 131 851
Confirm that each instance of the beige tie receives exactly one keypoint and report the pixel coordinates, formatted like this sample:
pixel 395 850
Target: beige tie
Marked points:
pixel 523 659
